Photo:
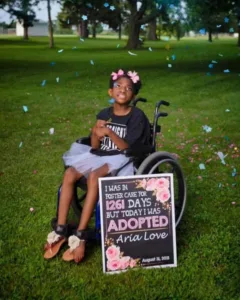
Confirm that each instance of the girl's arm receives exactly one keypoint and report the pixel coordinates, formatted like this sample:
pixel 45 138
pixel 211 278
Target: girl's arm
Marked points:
pixel 95 142
pixel 120 143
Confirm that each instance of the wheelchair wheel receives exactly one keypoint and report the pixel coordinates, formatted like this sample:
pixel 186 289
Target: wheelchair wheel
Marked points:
pixel 164 162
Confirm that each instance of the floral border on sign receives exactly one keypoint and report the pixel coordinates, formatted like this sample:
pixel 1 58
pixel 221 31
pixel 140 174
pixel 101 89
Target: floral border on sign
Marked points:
pixel 116 260
pixel 159 187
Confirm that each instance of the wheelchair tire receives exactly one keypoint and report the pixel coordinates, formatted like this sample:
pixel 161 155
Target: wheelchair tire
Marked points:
pixel 163 160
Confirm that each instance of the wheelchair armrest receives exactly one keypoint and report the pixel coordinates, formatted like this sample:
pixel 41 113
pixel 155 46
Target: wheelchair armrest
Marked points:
pixel 138 150
pixel 84 141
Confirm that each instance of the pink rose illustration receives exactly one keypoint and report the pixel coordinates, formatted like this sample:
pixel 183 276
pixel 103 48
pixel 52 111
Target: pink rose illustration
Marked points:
pixel 124 262
pixel 163 195
pixel 114 265
pixel 143 183
pixel 132 263
pixel 112 252
pixel 151 184
pixel 162 183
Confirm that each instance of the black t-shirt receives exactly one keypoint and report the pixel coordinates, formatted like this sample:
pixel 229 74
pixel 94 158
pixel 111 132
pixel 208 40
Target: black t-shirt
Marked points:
pixel 133 128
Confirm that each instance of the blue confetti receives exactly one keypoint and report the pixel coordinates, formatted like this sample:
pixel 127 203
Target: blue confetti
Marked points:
pixel 68 21
pixel 165 38
pixel 140 39
pixel 173 57
pixel 57 79
pixel 219 185
pixel 207 128
pixel 231 30
pixel 84 17
pixel 106 4
pixel 143 27
pixel 150 49
pixel 112 8
pixel 73 48
pixel 60 51
pixel 20 145
pixel 210 66
pixel 44 82
pixel 25 108
pixel 220 54
pixel 169 65
pixel 89 5
pixel 202 167
pixel 234 172
pixel 81 39
pixel 202 31
pixel 226 71
pixel 91 62
pixel 111 101
pixel 171 6
pixel 52 63
pixel 118 45
pixel 214 62
pixel 226 19
pixel 219 26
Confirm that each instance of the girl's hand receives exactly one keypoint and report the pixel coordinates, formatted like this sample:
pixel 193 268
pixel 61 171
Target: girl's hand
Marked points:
pixel 101 123
pixel 101 132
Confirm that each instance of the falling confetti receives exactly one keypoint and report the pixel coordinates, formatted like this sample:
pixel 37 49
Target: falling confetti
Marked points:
pixel 118 45
pixel 226 71
pixel 231 30
pixel 89 5
pixel 202 31
pixel 143 27
pixel 165 38
pixel 221 156
pixel 77 74
pixel 234 172
pixel 111 101
pixel 73 48
pixel 52 63
pixel 131 53
pixel 207 128
pixel 202 167
pixel 25 108
pixel 173 57
pixel 51 131
pixel 210 66
pixel 106 4
pixel 219 185
pixel 31 209
pixel 220 54
pixel 218 26
pixel 208 73
pixel 171 6
pixel 150 49
pixel 226 19
pixel 227 110
pixel 84 17
pixel 44 82
pixel 60 51
pixel 20 145
pixel 170 65
pixel 112 7
pixel 57 79
pixel 91 62
pixel 214 62
pixel 81 39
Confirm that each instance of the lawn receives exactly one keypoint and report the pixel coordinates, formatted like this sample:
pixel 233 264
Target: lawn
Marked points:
pixel 31 169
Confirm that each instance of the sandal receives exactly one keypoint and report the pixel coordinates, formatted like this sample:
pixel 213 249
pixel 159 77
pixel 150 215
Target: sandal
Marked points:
pixel 55 240
pixel 74 242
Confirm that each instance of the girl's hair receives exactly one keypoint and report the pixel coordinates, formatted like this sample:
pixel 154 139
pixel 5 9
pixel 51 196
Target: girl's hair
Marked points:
pixel 133 76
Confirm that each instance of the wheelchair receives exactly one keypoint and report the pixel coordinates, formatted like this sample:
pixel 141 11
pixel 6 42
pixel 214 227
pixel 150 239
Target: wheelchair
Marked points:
pixel 146 160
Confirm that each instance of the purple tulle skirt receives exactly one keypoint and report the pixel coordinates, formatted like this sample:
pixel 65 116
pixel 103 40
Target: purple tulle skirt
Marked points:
pixel 84 162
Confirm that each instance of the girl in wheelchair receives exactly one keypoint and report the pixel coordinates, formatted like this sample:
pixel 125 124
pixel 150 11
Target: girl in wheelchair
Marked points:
pixel 118 127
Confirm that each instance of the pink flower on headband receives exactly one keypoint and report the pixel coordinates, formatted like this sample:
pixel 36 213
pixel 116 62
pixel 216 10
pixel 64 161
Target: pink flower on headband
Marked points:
pixel 134 76
pixel 116 75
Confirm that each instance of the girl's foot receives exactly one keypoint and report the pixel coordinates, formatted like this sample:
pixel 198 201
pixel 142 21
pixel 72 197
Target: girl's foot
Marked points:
pixel 76 249
pixel 55 240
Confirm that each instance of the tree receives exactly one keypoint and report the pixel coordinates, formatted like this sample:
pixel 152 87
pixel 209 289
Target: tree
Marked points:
pixel 23 11
pixel 50 25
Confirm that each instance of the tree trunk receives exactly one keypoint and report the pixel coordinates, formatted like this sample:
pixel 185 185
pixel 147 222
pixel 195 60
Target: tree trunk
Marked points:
pixel 210 35
pixel 133 38
pixel 152 36
pixel 25 33
pixel 83 29
pixel 94 25
pixel 120 31
pixel 50 25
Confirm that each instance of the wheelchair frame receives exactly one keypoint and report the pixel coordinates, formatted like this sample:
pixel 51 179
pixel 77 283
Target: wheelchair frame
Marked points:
pixel 150 161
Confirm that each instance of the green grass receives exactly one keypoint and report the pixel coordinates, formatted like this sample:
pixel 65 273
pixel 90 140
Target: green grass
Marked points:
pixel 208 237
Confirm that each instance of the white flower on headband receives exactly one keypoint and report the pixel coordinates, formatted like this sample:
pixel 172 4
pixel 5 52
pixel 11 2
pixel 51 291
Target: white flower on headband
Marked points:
pixel 134 76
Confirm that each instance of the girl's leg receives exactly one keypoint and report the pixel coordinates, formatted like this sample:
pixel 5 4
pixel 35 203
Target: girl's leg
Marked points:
pixel 88 207
pixel 70 177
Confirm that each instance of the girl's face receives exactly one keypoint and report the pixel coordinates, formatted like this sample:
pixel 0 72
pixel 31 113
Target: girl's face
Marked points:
pixel 122 90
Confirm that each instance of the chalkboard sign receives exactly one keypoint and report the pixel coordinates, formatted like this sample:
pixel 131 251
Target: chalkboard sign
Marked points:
pixel 137 222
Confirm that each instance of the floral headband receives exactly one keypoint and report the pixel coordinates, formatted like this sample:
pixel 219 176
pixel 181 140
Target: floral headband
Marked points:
pixel 133 75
